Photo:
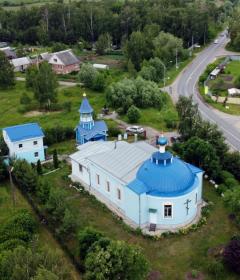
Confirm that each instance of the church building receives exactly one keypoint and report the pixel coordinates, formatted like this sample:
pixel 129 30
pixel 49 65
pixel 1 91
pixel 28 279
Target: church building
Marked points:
pixel 88 129
pixel 148 187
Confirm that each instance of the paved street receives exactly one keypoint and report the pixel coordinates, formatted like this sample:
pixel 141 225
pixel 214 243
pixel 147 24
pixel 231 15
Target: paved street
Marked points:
pixel 186 84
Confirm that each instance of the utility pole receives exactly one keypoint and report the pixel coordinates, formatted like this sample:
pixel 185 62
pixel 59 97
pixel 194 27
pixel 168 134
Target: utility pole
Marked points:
pixel 10 170
pixel 176 58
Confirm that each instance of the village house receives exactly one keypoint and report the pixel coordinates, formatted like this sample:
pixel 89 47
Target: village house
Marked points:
pixel 21 64
pixel 148 188
pixel 9 52
pixel 63 62
pixel 25 142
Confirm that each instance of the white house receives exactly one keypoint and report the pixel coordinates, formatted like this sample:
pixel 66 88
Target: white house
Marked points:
pixel 21 64
pixel 147 187
pixel 25 142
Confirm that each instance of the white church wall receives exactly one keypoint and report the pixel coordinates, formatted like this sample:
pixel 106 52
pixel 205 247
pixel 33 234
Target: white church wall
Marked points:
pixel 116 194
pixel 179 211
pixel 81 174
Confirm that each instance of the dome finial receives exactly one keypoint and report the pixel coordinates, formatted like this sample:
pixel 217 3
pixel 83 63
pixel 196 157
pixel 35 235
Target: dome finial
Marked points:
pixel 162 142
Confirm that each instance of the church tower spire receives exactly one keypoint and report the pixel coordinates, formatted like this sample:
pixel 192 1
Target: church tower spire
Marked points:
pixel 86 114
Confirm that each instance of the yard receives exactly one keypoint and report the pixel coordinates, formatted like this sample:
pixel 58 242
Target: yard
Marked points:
pixel 221 84
pixel 172 256
pixel 7 209
pixel 13 113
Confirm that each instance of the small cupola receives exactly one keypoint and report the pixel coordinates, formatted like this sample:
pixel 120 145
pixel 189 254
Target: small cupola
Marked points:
pixel 162 157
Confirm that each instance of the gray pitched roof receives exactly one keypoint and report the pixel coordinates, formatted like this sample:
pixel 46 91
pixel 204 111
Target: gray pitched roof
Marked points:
pixel 67 57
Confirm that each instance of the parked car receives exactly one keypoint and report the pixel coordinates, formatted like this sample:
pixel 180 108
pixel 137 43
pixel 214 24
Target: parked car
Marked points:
pixel 134 130
pixel 216 41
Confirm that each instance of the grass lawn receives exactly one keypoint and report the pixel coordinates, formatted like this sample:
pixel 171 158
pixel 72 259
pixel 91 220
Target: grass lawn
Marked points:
pixel 157 118
pixel 172 256
pixel 10 107
pixel 45 238
pixel 233 68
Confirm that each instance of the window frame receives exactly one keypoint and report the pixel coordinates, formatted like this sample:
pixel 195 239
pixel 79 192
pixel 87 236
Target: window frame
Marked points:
pixel 119 194
pixel 108 188
pixel 35 142
pixel 20 146
pixel 36 154
pixel 80 167
pixel 168 205
pixel 98 179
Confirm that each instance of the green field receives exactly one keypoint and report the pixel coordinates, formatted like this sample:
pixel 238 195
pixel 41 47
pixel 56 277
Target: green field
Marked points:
pixel 45 237
pixel 172 256
pixel 11 110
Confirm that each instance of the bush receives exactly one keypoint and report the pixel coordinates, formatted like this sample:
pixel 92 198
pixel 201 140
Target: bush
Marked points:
pixel 216 269
pixel 25 99
pixel 113 131
pixel 58 134
pixel 87 74
pixel 133 114
pixel 231 255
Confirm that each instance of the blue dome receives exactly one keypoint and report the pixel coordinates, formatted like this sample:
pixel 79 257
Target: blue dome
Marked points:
pixel 85 107
pixel 162 141
pixel 173 179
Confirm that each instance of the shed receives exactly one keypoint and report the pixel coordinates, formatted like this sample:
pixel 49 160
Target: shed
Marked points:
pixel 214 73
pixel 100 66
pixel 20 64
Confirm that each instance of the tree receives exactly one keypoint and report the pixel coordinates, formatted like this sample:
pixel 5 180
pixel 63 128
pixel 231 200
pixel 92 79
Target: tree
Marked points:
pixel 231 255
pixel 167 46
pixel 44 274
pixel 231 162
pixel 86 238
pixel 136 49
pixel 55 159
pixel 43 190
pixel 25 176
pixel 3 170
pixel 56 204
pixel 99 82
pixel 31 75
pixel 21 226
pixel 232 199
pixel 202 154
pixel 133 114
pixel 68 225
pixel 188 115
pixel 7 77
pixel 39 167
pixel 87 74
pixel 116 261
pixel 103 43
pixel 45 85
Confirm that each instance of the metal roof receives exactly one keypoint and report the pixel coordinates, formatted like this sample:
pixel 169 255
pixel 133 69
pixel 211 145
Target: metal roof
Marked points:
pixel 24 132
pixel 123 161
pixel 99 127
pixel 67 57
pixel 20 61
pixel 85 107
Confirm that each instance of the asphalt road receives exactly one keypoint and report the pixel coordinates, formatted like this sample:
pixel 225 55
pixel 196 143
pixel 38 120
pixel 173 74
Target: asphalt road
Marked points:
pixel 186 84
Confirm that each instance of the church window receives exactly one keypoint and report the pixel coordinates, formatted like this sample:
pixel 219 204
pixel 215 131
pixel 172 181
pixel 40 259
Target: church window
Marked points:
pixel 167 211
pixel 108 186
pixel 98 179
pixel 36 154
pixel 35 142
pixel 20 146
pixel 80 168
pixel 196 199
pixel 119 194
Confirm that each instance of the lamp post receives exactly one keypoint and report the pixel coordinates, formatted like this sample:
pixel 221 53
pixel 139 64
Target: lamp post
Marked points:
pixel 164 73
pixel 10 170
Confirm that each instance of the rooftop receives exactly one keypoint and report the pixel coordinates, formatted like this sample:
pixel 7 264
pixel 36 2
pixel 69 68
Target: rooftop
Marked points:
pixel 23 132
pixel 67 57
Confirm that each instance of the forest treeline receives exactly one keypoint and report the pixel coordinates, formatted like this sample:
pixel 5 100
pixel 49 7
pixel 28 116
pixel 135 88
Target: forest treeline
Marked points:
pixel 192 20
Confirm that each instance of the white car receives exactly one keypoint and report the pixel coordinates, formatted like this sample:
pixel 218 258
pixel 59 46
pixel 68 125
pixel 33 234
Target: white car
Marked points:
pixel 134 129
pixel 216 41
